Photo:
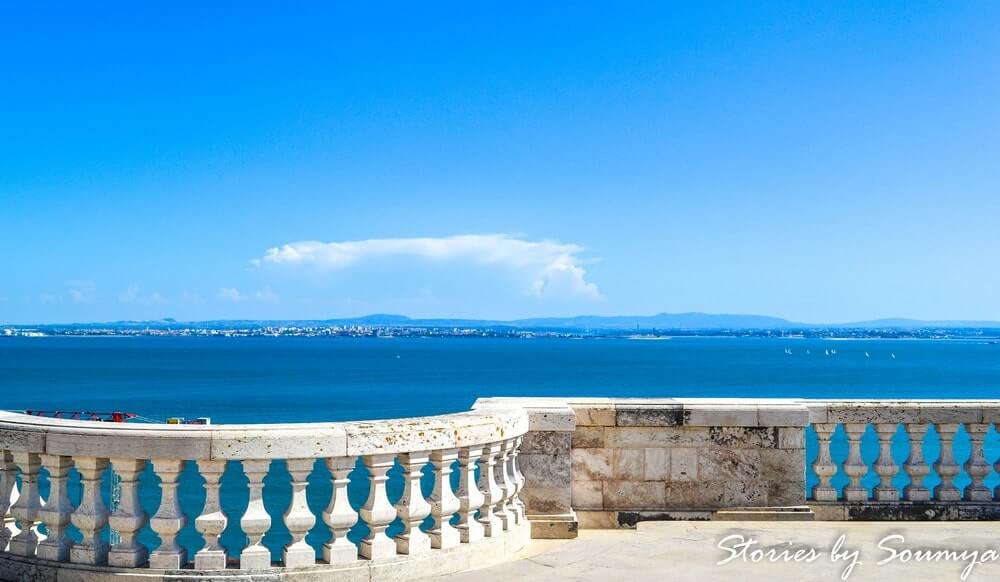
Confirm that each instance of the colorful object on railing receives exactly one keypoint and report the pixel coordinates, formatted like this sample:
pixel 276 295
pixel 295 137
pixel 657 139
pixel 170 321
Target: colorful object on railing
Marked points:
pixel 116 416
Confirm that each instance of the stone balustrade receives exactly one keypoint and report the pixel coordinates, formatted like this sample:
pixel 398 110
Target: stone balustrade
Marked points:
pixel 477 520
pixel 606 463
pixel 900 482
pixel 452 492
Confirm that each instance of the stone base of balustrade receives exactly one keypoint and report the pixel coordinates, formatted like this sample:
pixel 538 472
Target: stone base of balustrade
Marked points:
pixel 488 552
pixel 554 527
pixel 906 511
pixel 629 519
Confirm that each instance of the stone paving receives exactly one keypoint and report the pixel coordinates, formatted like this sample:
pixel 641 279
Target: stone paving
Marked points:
pixel 690 551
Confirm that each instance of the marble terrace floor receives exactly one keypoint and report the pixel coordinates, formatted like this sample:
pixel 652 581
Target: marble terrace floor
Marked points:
pixel 689 551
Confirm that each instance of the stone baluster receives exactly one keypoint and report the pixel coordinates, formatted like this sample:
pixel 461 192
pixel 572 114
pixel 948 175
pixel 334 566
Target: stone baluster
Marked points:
pixel 90 516
pixel 976 466
pixel 443 501
pixel 946 466
pixel 129 518
pixel 298 519
pixel 517 504
pixel 492 493
pixel 27 506
pixel 212 521
pixel 916 467
pixel 885 466
pixel 169 518
pixel 339 515
pixel 255 521
pixel 503 509
pixel 470 499
pixel 412 508
pixel 8 470
pixel 377 512
pixel 823 466
pixel 855 466
pixel 56 512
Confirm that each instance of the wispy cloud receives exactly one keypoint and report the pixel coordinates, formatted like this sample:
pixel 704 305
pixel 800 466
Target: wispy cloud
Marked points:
pixel 266 295
pixel 551 267
pixel 233 295
pixel 82 291
pixel 133 294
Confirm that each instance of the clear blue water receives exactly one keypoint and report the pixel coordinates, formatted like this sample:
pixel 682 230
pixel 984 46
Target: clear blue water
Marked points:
pixel 258 380
pixel 316 379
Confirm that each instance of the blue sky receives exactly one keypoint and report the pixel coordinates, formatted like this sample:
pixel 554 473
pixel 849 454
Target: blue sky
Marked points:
pixel 821 162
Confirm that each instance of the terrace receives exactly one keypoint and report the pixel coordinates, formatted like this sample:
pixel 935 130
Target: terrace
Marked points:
pixel 437 496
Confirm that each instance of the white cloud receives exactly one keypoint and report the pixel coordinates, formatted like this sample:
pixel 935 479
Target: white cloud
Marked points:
pixel 552 268
pixel 133 294
pixel 82 291
pixel 231 294
pixel 266 295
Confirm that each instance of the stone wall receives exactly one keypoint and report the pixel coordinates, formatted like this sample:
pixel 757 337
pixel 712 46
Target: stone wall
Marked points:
pixel 629 460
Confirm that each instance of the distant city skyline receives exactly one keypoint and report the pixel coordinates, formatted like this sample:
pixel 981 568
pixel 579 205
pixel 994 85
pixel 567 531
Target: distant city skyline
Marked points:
pixel 817 164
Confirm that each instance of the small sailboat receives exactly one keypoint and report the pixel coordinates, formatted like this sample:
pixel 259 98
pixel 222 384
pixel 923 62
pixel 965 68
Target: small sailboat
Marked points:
pixel 828 352
pixel 867 355
pixel 892 355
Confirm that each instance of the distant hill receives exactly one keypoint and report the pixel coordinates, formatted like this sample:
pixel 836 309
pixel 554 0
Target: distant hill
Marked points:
pixel 660 321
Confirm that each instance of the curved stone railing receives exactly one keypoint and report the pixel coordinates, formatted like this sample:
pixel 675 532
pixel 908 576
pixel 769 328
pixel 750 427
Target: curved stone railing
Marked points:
pixel 476 521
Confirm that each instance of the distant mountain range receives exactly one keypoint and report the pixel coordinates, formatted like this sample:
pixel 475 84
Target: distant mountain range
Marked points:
pixel 660 321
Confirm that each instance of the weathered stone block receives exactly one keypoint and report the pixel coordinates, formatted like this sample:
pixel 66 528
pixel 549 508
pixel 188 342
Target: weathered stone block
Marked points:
pixel 634 494
pixel 782 415
pixel 288 444
pixel 547 500
pixel 546 470
pixel 786 493
pixel 791 438
pixel 783 464
pixel 991 414
pixel 656 437
pixel 657 464
pixel 592 464
pixel 730 464
pixel 744 437
pixel 546 443
pixel 22 440
pixel 549 527
pixel 683 464
pixel 588 495
pixel 628 464
pixel 865 412
pixel 552 419
pixel 597 519
pixel 829 511
pixel 594 415
pixel 704 494
pixel 587 437
pixel 649 415
pixel 720 415
pixel 950 412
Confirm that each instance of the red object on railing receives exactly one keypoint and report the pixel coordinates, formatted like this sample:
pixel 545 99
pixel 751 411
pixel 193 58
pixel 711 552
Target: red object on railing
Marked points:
pixel 116 416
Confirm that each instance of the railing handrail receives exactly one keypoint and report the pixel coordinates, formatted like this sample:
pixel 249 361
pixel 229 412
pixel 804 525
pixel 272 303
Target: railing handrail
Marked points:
pixel 58 436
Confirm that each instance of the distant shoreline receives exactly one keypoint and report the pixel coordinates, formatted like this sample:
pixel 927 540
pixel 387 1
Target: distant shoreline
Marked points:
pixel 389 332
